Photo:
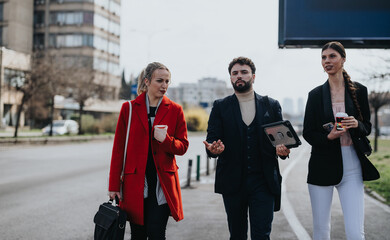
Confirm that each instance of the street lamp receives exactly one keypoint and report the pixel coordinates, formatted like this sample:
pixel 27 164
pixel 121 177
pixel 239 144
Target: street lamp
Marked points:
pixel 149 36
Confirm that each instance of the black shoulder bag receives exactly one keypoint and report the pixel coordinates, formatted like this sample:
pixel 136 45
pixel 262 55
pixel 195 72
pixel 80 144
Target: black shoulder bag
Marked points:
pixel 110 222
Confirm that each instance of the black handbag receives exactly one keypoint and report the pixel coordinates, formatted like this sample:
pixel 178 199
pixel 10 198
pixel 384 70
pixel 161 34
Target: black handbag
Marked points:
pixel 364 145
pixel 110 222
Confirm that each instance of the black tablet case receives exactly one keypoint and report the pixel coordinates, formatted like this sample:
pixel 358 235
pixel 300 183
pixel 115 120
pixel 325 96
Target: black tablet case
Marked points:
pixel 282 132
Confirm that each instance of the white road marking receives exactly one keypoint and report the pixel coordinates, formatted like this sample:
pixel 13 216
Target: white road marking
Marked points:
pixel 287 208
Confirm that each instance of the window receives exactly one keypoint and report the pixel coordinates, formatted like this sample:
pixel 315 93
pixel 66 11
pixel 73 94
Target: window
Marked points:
pixel 109 5
pixel 39 2
pixel 103 66
pixel 39 41
pixel 115 8
pixel 14 78
pixel 1 11
pixel 102 44
pixel 88 18
pixel 65 1
pixel 71 40
pixel 106 25
pixel 39 18
pixel 83 40
pixel 78 61
pixel 102 3
pixel 71 18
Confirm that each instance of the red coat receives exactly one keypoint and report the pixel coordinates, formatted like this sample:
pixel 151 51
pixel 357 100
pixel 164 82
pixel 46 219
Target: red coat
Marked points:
pixel 176 143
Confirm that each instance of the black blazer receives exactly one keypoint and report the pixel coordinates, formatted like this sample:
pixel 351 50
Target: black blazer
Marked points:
pixel 225 123
pixel 326 165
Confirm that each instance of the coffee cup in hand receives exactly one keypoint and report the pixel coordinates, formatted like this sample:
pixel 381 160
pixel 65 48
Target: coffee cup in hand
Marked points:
pixel 340 117
pixel 160 132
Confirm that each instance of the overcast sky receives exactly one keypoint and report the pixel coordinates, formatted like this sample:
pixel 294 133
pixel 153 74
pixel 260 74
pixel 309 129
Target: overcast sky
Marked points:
pixel 197 39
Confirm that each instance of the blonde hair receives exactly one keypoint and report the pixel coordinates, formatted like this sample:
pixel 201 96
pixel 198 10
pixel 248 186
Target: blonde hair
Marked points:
pixel 147 73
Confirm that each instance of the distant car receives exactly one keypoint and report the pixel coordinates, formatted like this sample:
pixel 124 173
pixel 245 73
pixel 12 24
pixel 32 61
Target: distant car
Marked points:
pixel 384 130
pixel 61 127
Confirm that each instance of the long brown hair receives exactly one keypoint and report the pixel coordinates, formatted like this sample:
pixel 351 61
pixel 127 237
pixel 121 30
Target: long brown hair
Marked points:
pixel 338 47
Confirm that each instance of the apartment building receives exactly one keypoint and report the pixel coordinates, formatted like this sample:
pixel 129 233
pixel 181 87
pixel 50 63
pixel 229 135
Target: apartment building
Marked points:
pixel 87 30
pixel 84 31
pixel 16 31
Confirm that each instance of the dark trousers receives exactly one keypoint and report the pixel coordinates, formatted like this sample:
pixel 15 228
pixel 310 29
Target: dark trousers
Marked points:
pixel 155 220
pixel 255 197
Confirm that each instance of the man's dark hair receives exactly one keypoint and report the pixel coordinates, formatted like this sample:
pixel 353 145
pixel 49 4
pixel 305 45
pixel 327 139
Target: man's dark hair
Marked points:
pixel 242 61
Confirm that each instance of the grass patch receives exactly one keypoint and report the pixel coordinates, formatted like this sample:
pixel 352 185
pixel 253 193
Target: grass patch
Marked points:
pixel 381 160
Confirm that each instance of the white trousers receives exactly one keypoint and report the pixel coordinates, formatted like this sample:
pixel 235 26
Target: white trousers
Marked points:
pixel 351 193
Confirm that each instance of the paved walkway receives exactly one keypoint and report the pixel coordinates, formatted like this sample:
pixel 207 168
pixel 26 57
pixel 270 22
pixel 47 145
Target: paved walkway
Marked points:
pixel 205 218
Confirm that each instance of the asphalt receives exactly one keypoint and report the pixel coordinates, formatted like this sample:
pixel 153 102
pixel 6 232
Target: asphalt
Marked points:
pixel 205 217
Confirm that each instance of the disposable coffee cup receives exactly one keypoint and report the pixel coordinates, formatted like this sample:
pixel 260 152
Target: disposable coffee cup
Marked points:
pixel 340 117
pixel 161 126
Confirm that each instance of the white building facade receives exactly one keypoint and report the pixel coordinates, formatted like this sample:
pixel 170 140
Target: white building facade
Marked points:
pixel 200 94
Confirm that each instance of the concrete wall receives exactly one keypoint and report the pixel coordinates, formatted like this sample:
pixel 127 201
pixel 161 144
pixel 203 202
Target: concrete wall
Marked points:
pixel 18 25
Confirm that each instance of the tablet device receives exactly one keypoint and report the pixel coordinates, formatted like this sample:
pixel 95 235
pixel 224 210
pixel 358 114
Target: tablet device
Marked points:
pixel 282 133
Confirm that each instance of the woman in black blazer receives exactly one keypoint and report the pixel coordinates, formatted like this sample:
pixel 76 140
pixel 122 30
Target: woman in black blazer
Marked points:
pixel 335 160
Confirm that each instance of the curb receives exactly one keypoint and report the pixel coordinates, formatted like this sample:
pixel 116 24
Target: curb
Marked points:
pixel 49 140
pixel 375 195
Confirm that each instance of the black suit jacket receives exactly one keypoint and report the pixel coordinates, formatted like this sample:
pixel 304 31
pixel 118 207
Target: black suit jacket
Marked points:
pixel 225 123
pixel 326 165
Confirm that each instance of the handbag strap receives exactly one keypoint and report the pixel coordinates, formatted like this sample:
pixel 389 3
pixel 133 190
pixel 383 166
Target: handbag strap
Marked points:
pixel 127 140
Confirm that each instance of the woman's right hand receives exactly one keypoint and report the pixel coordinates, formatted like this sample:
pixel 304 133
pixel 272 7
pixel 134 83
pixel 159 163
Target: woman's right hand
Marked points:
pixel 336 133
pixel 113 194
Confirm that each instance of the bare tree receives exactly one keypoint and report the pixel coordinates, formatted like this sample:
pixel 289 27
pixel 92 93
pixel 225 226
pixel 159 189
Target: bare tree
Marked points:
pixel 376 75
pixel 37 79
pixel 57 74
pixel 28 87
pixel 86 84
pixel 380 96
pixel 377 100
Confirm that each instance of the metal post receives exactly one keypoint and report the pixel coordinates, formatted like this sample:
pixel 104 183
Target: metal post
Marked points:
pixel 207 165
pixel 189 172
pixel 197 167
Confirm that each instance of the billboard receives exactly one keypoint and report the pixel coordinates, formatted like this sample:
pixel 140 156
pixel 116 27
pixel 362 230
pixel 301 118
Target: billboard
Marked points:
pixel 355 23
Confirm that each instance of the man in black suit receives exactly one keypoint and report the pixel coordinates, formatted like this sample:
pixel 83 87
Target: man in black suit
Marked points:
pixel 247 172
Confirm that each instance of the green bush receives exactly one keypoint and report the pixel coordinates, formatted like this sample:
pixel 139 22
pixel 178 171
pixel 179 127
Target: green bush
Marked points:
pixel 381 161
pixel 108 123
pixel 89 124
pixel 75 117
pixel 196 119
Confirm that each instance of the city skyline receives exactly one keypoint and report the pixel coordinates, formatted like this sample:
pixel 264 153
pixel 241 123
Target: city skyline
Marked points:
pixel 195 42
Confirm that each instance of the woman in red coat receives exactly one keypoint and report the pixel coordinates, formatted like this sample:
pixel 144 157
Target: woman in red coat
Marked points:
pixel 151 188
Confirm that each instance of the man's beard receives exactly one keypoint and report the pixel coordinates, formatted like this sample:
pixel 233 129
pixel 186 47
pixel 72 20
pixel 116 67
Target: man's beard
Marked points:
pixel 243 88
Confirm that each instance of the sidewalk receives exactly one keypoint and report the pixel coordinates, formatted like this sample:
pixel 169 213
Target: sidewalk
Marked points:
pixel 205 216
pixel 53 139
pixel 36 137
pixel 9 132
pixel 204 213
